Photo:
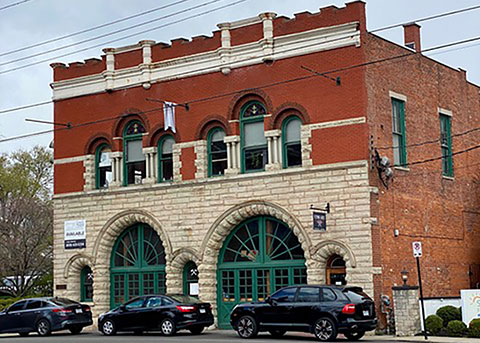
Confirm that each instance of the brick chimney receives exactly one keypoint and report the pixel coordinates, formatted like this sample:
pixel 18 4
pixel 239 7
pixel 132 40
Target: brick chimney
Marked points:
pixel 412 36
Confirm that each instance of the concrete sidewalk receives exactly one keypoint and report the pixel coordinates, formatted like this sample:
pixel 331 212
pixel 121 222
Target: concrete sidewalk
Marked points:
pixel 435 339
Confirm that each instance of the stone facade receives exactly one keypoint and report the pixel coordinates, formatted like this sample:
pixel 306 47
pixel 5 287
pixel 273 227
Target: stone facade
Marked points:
pixel 193 219
pixel 407 310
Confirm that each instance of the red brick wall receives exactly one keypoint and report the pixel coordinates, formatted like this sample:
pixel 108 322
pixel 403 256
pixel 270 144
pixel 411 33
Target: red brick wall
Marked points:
pixel 188 163
pixel 68 177
pixel 422 205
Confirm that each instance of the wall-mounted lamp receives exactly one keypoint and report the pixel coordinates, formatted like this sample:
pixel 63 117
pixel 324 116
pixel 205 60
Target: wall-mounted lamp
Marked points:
pixel 396 232
pixel 404 277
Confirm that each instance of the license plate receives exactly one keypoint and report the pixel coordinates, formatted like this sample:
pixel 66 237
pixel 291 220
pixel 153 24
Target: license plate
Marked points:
pixel 202 310
pixel 366 313
pixel 78 310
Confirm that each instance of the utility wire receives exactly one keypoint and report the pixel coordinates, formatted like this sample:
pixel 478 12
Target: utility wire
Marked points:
pixel 128 28
pixel 440 157
pixel 125 37
pixel 92 28
pixel 441 15
pixel 14 4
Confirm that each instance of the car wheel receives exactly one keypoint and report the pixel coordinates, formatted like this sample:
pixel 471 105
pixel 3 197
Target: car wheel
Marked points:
pixel 277 333
pixel 167 327
pixel 247 327
pixel 43 327
pixel 108 328
pixel 76 330
pixel 24 334
pixel 325 329
pixel 354 336
pixel 197 330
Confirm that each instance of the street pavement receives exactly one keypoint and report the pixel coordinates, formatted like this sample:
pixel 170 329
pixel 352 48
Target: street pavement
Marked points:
pixel 215 336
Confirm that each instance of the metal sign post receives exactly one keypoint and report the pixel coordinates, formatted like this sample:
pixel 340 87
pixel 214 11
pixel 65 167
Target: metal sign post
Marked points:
pixel 417 253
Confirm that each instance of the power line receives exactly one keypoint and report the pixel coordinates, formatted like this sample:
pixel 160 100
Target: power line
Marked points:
pixel 436 16
pixel 14 4
pixel 107 35
pixel 440 157
pixel 92 28
pixel 13 109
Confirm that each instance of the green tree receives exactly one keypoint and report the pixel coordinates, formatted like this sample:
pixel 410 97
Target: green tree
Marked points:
pixel 26 222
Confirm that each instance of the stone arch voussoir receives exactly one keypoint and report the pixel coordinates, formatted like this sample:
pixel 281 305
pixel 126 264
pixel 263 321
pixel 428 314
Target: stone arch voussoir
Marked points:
pixel 180 257
pixel 72 271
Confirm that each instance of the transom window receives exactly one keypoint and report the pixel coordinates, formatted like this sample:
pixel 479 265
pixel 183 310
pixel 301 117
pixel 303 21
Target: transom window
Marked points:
pixel 253 141
pixel 292 147
pixel 165 158
pixel 134 166
pixel 103 166
pixel 217 152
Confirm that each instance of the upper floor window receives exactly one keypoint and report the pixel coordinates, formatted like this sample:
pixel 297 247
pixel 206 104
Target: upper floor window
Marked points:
pixel 165 158
pixel 134 166
pixel 253 141
pixel 398 131
pixel 86 284
pixel 103 166
pixel 217 152
pixel 446 144
pixel 292 147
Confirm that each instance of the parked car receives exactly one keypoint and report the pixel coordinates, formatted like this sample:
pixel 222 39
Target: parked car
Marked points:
pixel 45 315
pixel 324 311
pixel 164 313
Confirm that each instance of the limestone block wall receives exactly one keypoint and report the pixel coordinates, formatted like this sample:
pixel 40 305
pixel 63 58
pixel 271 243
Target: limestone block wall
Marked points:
pixel 407 310
pixel 193 218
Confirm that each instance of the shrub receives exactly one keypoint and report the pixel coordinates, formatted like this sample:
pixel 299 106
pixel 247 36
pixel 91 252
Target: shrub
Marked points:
pixel 474 328
pixel 456 328
pixel 434 323
pixel 449 313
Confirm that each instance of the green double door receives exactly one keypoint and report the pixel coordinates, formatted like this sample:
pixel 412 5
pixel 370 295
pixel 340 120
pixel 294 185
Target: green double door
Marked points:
pixel 137 265
pixel 259 257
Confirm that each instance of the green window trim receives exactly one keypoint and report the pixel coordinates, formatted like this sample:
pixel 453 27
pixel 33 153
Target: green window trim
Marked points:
pixel 209 151
pixel 286 145
pixel 399 133
pixel 244 120
pixel 98 152
pixel 162 160
pixel 446 144
pixel 84 283
pixel 141 251
pixel 127 138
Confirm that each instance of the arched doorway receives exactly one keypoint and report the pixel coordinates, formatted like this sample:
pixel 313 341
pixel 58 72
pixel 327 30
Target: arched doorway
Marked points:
pixel 137 264
pixel 259 256
pixel 336 270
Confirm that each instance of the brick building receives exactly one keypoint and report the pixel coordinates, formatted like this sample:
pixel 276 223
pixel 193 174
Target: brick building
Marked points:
pixel 221 206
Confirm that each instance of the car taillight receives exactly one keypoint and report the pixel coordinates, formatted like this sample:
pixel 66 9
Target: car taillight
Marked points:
pixel 62 311
pixel 349 309
pixel 87 309
pixel 186 308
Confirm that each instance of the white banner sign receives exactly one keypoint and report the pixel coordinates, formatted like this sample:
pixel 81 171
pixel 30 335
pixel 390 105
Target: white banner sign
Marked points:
pixel 470 304
pixel 75 234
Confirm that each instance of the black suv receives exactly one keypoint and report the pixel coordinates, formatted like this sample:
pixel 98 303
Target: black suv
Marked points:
pixel 324 311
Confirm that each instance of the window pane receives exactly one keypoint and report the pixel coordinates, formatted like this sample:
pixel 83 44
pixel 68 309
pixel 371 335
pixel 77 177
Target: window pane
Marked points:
pixel 246 285
pixel 134 151
pixel 17 306
pixel 104 160
pixel 136 303
pixel 218 136
pixel 228 286
pixel 255 158
pixel 285 295
pixel 218 167
pixel 263 284
pixel 328 295
pixel 167 145
pixel 32 305
pixel 308 294
pixel 133 285
pixel 292 129
pixel 397 142
pixel 167 169
pixel 254 134
pixel 294 155
pixel 397 109
pixel 118 288
pixel 154 302
pixel 136 172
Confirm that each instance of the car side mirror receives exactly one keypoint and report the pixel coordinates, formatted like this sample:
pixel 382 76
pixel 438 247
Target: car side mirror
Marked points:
pixel 122 308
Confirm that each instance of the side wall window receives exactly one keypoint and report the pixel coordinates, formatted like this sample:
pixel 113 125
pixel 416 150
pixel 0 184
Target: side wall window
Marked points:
pixel 398 131
pixel 86 284
pixel 253 141
pixel 190 279
pixel 292 147
pixel 165 159
pixel 134 159
pixel 217 152
pixel 446 144
pixel 103 166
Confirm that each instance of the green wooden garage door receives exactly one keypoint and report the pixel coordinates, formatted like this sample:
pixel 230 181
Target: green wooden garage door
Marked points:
pixel 260 256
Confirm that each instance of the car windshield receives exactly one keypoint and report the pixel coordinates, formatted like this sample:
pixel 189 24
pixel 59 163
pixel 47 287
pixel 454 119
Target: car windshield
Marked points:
pixel 356 294
pixel 185 299
pixel 63 302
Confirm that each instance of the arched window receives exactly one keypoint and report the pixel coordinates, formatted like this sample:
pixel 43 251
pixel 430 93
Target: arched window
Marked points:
pixel 103 166
pixel 253 141
pixel 336 271
pixel 165 158
pixel 190 279
pixel 134 166
pixel 86 284
pixel 217 152
pixel 292 147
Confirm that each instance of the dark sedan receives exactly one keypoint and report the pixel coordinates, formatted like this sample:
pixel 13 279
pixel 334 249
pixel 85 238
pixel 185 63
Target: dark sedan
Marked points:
pixel 166 314
pixel 324 311
pixel 45 315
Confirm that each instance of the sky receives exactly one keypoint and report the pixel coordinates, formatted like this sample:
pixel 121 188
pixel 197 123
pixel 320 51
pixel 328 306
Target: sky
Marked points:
pixel 33 21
